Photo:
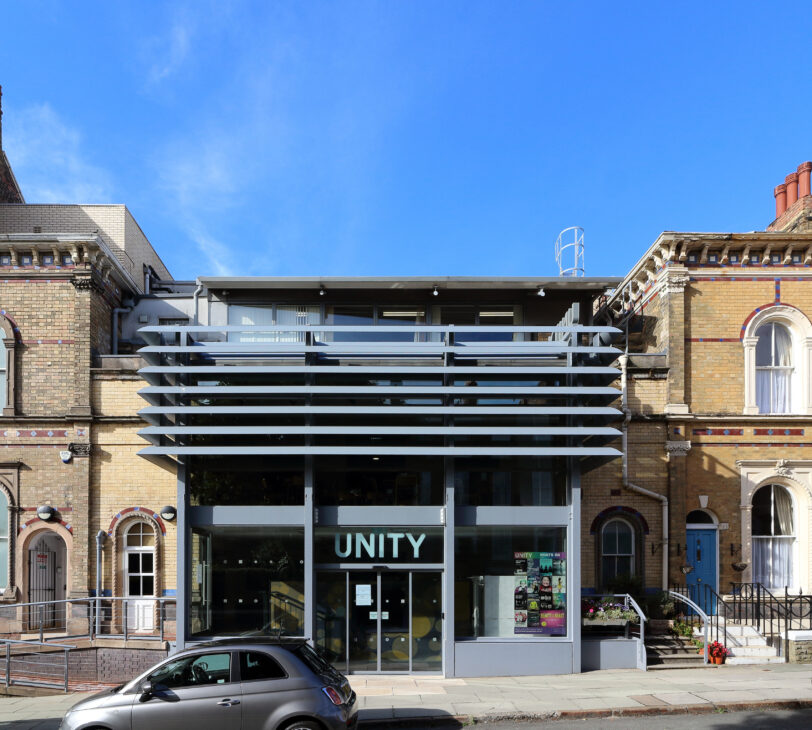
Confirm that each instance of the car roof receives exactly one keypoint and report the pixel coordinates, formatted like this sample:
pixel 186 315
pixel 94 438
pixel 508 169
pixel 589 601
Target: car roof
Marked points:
pixel 246 641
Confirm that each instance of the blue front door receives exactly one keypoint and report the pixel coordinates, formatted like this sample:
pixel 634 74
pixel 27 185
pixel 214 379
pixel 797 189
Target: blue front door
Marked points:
pixel 701 556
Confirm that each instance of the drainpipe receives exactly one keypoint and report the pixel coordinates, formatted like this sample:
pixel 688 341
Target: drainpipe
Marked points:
pixel 195 296
pixel 114 326
pixel 101 536
pixel 624 360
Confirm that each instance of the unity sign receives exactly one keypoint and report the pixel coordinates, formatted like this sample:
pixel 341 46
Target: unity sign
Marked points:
pixel 378 545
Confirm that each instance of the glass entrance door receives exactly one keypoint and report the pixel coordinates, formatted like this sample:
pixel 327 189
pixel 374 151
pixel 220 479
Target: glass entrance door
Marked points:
pixel 380 621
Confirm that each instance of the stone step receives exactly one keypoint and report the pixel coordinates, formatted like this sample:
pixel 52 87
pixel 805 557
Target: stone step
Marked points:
pixel 755 660
pixel 673 658
pixel 741 651
pixel 740 630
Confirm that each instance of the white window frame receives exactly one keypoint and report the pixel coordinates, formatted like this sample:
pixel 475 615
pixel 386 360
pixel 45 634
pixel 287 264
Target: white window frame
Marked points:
pixel 800 330
pixel 5 538
pixel 793 538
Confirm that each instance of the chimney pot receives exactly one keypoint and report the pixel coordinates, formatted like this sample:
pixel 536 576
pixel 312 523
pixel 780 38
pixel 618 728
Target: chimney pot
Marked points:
pixel 791 182
pixel 804 170
pixel 780 193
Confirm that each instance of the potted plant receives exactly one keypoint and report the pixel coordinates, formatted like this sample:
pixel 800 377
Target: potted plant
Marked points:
pixel 717 652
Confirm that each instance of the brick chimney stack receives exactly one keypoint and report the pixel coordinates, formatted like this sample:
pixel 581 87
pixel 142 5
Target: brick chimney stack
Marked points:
pixel 793 202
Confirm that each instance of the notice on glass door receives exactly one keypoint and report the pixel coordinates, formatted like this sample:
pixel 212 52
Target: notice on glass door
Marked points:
pixel 540 594
pixel 363 594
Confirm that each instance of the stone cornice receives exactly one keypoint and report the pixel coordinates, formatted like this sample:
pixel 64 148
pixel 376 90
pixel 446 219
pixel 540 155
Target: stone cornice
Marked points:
pixel 85 250
pixel 672 248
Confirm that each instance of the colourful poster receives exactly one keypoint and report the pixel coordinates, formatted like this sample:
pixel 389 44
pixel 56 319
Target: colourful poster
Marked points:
pixel 540 594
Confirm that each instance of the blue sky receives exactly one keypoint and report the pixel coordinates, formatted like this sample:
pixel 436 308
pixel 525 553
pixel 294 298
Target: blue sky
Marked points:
pixel 340 138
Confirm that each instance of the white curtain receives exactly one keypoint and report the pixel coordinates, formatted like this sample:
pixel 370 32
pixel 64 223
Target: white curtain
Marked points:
pixel 782 355
pixel 247 316
pixel 2 374
pixel 773 368
pixel 763 391
pixel 772 561
pixel 783 511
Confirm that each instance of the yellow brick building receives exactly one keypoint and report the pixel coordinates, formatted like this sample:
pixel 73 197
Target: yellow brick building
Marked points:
pixel 717 482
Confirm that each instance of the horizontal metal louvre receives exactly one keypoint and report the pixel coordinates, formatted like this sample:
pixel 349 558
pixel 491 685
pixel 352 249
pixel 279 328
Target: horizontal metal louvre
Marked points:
pixel 551 384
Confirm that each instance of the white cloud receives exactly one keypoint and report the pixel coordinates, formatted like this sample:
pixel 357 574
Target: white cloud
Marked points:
pixel 168 52
pixel 49 161
pixel 199 178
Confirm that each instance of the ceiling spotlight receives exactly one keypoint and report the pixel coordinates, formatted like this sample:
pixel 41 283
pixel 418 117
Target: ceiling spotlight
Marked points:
pixel 540 292
pixel 321 291
pixel 435 292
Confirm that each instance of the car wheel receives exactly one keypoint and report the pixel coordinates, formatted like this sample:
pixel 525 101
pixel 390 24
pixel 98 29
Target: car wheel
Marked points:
pixel 304 725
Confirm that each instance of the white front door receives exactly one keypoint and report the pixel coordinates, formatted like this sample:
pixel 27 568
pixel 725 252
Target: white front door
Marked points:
pixel 139 577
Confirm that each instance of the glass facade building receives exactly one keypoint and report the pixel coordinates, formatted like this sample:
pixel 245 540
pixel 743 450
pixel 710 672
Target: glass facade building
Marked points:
pixel 389 468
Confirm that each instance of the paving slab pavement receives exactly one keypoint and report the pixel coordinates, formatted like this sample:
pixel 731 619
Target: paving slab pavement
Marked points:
pixel 384 699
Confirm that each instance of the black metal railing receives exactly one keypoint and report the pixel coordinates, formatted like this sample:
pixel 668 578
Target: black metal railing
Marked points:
pixel 714 607
pixel 772 616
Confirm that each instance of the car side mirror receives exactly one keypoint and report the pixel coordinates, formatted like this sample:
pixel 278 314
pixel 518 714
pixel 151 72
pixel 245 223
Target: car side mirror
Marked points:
pixel 146 689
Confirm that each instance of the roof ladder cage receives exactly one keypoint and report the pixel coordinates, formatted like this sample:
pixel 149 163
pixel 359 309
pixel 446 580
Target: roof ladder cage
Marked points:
pixel 569 249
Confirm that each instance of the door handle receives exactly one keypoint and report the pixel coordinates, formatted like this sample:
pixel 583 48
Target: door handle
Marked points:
pixel 228 702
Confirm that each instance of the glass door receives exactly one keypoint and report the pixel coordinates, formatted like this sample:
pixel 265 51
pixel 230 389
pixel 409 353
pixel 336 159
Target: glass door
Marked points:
pixel 395 618
pixel 362 630
pixel 380 621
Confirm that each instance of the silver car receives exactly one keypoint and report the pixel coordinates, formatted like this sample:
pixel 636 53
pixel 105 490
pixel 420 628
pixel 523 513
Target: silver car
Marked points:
pixel 239 684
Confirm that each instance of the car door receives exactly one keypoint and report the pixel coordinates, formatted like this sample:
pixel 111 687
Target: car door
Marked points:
pixel 194 691
pixel 269 692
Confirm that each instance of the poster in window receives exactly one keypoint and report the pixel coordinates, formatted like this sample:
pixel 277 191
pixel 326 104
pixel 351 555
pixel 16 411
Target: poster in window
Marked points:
pixel 540 593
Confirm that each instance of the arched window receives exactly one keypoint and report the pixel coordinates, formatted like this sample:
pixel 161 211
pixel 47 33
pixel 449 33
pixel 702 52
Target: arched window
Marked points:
pixel 773 368
pixel 773 537
pixel 777 343
pixel 3 375
pixel 617 550
pixel 4 540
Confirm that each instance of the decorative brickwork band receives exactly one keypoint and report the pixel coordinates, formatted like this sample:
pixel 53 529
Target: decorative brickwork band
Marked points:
pixel 143 511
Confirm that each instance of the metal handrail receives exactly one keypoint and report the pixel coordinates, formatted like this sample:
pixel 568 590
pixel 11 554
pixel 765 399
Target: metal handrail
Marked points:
pixel 95 611
pixel 642 658
pixel 716 600
pixel 32 682
pixel 629 602
pixel 699 612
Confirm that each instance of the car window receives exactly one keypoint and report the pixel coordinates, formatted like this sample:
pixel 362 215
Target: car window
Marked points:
pixel 313 660
pixel 256 665
pixel 193 671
